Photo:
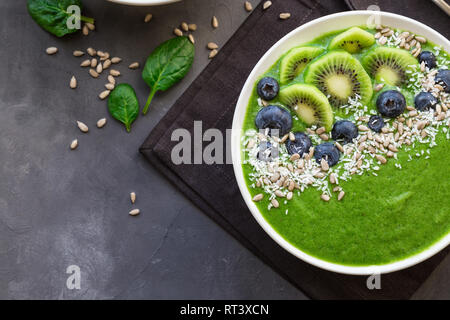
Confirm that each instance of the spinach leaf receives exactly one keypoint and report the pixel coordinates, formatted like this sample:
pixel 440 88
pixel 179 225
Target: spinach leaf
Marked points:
pixel 167 65
pixel 123 104
pixel 52 15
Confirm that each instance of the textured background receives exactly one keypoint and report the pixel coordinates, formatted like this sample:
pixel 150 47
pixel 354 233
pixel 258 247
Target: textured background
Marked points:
pixel 60 207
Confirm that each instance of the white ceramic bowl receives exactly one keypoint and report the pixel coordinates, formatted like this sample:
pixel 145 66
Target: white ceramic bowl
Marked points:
pixel 303 34
pixel 144 2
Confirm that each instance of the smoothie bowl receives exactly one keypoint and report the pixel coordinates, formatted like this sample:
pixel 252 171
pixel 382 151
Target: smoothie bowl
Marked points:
pixel 341 142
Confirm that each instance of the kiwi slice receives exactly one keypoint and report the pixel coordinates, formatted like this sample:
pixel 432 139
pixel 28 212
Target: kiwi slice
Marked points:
pixel 311 105
pixel 340 76
pixel 295 61
pixel 352 40
pixel 389 65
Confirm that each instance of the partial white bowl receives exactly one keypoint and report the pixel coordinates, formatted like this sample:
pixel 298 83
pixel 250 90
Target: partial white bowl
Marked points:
pixel 304 34
pixel 144 2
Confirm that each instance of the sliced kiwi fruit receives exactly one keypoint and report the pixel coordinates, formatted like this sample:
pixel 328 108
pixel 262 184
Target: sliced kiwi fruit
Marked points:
pixel 340 76
pixel 389 65
pixel 311 105
pixel 352 40
pixel 295 61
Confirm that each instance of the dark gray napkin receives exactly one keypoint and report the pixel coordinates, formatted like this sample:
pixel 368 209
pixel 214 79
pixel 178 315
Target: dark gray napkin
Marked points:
pixel 212 98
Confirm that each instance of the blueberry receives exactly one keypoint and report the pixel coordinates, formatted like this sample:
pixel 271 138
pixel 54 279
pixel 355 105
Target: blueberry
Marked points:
pixel 300 145
pixel 327 151
pixel 268 88
pixel 425 101
pixel 274 117
pixel 344 130
pixel 376 123
pixel 391 103
pixel 267 152
pixel 429 59
pixel 443 78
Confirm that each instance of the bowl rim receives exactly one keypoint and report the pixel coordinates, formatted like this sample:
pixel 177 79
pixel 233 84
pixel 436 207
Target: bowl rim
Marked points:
pixel 236 151
pixel 144 2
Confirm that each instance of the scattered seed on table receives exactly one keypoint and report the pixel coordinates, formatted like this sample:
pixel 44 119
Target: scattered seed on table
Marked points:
pixel 177 32
pixel 215 22
pixel 109 86
pixel 86 63
pixel 248 6
pixel 148 17
pixel 285 15
pixel 134 65
pixel 192 27
pixel 91 52
pixel 111 79
pixel 93 73
pixel 184 26
pixel 101 123
pixel 51 50
pixel 73 82
pixel 83 127
pixel 133 197
pixel 90 26
pixel 74 144
pixel 134 212
pixel 191 38
pixel 213 53
pixel 100 53
pixel 114 72
pixel 116 60
pixel 106 64
pixel 212 46
pixel 266 5
pixel 78 53
pixel 94 63
pixel 85 30
pixel 99 68
pixel 104 94
pixel 105 56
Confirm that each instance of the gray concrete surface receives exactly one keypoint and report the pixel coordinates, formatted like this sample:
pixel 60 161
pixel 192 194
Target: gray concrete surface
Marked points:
pixel 60 207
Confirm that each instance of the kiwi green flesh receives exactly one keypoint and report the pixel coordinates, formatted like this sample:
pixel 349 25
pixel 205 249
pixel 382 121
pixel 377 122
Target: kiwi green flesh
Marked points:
pixel 310 105
pixel 340 76
pixel 295 61
pixel 353 40
pixel 389 65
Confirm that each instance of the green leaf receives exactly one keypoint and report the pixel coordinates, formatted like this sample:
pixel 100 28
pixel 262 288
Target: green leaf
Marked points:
pixel 167 65
pixel 123 104
pixel 52 15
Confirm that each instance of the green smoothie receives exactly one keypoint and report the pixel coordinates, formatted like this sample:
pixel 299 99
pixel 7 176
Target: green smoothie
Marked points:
pixel 390 210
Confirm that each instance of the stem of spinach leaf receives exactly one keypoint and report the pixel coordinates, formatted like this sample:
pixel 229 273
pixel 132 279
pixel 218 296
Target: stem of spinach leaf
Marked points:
pixel 87 19
pixel 149 100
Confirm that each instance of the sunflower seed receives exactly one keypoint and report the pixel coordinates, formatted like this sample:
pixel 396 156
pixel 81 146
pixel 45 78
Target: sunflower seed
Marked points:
pixel 85 30
pixel 116 60
pixel 378 87
pixel 177 32
pixel 73 82
pixel 93 73
pixel 385 30
pixel 74 144
pixel 134 212
pixel 213 53
pixel 90 26
pixel 324 137
pixel 191 38
pixel 421 39
pixel 289 195
pixel 377 35
pixel 294 157
pixel 134 65
pixel 248 6
pixel 413 43
pixel 106 64
pixel 320 130
pixel 94 63
pixel 382 40
pixel 109 86
pixel 99 68
pixel 78 53
pixel 91 52
pixel 325 197
pixel 279 194
pixel 341 195
pixel 381 158
pixel 285 15
pixel 184 26
pixel 51 50
pixel 389 34
pixel 215 22
pixel 258 197
pixel 418 51
pixel 85 63
pixel 104 94
pixel 410 37
pixel 339 146
pixel 114 72
pixel 266 5
pixel 291 136
pixel 101 123
pixel 324 165
pixel 212 46
pixel 84 128
pixel 421 125
pixel 275 203
pixel 363 128
pixel 192 27
pixel 332 178
pixel 148 17
pixel 111 79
